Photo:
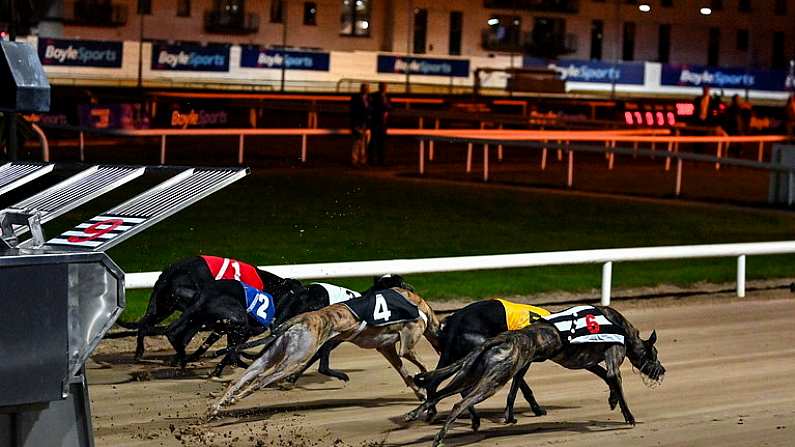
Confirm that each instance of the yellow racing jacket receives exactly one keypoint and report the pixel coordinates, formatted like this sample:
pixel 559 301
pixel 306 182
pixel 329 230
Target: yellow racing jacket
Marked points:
pixel 518 316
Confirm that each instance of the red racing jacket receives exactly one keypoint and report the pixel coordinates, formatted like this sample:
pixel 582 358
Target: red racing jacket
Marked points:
pixel 226 268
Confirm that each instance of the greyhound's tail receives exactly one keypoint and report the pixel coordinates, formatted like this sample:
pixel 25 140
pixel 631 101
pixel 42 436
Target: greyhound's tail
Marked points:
pixel 422 380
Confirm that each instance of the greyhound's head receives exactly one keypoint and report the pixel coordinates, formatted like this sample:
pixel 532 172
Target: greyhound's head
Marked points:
pixel 389 281
pixel 643 356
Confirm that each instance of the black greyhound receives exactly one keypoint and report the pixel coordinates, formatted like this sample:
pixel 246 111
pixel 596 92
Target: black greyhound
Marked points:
pixel 491 364
pixel 178 285
pixel 221 307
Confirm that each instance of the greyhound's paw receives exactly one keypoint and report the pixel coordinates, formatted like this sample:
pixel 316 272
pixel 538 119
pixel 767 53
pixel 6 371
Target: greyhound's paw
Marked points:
pixel 214 378
pixel 612 401
pixel 476 425
pixel 412 415
pixel 629 420
pixel 510 421
pixel 539 411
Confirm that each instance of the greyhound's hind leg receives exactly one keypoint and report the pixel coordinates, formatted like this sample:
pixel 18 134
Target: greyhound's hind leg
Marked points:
pixel 481 392
pixel 614 356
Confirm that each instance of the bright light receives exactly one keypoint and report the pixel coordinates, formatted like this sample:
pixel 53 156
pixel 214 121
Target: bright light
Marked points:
pixel 644 7
pixel 685 108
pixel 365 24
pixel 628 118
pixel 493 21
pixel 705 11
pixel 671 119
pixel 660 118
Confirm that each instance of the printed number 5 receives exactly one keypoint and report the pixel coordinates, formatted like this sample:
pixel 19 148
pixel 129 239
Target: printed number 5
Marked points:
pixel 381 311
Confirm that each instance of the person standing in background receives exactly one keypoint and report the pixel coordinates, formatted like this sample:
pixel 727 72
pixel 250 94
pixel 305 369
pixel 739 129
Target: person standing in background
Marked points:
pixel 705 106
pixel 360 119
pixel 379 104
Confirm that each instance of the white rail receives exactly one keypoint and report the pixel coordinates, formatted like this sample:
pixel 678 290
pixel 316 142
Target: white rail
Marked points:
pixel 606 257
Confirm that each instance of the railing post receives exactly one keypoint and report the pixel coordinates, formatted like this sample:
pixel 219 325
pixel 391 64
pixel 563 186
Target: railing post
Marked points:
pixel 612 157
pixel 304 138
pixel 469 158
pixel 678 176
pixel 718 155
pixel 162 149
pixel 741 276
pixel 499 149
pixel 431 144
pixel 668 159
pixel 544 157
pixel 422 157
pixel 82 147
pixel 485 162
pixel 789 188
pixel 761 152
pixel 240 150
pixel 570 179
pixel 607 279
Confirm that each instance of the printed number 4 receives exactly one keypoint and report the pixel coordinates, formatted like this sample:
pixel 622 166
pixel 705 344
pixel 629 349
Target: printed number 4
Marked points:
pixel 381 311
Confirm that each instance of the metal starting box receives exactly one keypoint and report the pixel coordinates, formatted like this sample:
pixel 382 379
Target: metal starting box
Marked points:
pixel 60 296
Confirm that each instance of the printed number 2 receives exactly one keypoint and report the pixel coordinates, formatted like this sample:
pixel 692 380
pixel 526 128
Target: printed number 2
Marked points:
pixel 591 324
pixel 381 311
pixel 262 301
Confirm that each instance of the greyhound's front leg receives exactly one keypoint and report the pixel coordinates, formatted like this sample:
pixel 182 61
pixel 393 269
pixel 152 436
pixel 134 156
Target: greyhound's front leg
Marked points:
pixel 211 340
pixel 612 400
pixel 614 356
pixel 389 352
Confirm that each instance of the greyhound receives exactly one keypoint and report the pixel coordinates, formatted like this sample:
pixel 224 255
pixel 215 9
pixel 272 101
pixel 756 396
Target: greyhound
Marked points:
pixel 178 285
pixel 222 306
pixel 294 344
pixel 508 356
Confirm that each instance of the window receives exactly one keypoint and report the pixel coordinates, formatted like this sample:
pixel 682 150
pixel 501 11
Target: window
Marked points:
pixel 420 30
pixel 780 7
pixel 355 19
pixel 667 3
pixel 779 59
pixel 183 8
pixel 744 5
pixel 144 7
pixel 310 13
pixel 503 33
pixel 277 11
pixel 597 38
pixel 664 44
pixel 742 40
pixel 716 5
pixel 456 29
pixel 628 47
pixel 713 47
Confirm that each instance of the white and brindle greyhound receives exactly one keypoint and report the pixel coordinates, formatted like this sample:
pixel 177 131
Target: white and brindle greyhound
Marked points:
pixel 295 343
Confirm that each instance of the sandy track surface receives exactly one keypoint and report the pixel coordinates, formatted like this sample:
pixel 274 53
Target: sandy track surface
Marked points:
pixel 730 382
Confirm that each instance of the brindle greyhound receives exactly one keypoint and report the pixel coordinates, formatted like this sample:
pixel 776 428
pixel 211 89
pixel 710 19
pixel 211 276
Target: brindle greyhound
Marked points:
pixel 293 344
pixel 471 326
pixel 508 356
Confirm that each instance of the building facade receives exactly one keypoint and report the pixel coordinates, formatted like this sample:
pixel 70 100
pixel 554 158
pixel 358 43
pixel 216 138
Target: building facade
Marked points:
pixel 740 33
